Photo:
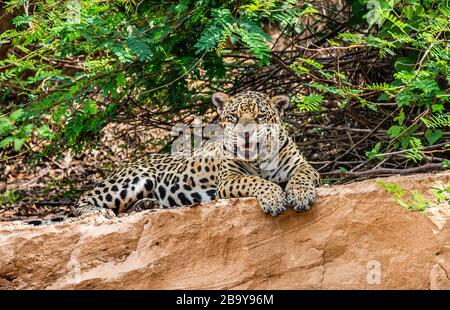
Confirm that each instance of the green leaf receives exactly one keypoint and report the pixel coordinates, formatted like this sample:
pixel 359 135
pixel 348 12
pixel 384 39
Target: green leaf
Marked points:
pixel 18 143
pixel 343 169
pixel 446 163
pixel 44 131
pixel 408 10
pixel 90 107
pixel 311 102
pixel 5 142
pixel 438 108
pixel 120 79
pixel 405 64
pixel 395 130
pixel 374 152
pixel 413 11
pixel 139 49
pixel 5 125
pixel 122 54
pixel 392 188
pixel 17 114
pixel 383 97
pixel 405 141
pixel 221 23
pixel 25 131
pixel 432 137
pixel 21 20
pixel 400 118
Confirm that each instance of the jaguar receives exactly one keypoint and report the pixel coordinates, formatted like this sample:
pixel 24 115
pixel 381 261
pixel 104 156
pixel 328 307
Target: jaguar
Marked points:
pixel 255 157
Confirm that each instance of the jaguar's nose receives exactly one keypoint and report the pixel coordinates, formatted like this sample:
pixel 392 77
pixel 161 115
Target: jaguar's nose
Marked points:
pixel 247 133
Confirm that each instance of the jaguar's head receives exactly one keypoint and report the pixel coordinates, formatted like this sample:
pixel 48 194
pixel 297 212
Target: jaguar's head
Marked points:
pixel 252 125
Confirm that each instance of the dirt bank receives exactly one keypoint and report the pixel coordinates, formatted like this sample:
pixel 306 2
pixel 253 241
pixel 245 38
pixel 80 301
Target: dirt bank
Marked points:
pixel 355 237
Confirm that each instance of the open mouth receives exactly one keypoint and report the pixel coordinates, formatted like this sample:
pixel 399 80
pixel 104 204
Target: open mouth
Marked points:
pixel 247 146
pixel 248 150
pixel 243 145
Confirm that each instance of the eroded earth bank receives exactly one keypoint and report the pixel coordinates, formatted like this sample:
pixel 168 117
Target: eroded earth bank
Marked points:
pixel 355 237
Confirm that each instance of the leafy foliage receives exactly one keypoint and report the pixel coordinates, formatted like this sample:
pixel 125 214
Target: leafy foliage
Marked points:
pixel 412 36
pixel 73 67
pixel 442 194
pixel 411 200
pixel 311 102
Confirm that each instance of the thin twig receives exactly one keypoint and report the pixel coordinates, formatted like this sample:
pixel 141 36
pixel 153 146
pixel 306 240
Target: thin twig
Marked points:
pixel 378 171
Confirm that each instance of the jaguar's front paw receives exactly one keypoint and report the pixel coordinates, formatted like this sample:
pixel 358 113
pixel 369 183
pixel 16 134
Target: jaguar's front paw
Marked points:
pixel 273 202
pixel 301 198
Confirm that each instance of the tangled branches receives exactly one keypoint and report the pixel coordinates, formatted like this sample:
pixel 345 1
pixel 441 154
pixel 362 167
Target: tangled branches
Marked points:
pixel 369 85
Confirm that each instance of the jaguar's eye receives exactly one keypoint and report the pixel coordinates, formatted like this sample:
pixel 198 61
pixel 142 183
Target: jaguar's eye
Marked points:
pixel 231 120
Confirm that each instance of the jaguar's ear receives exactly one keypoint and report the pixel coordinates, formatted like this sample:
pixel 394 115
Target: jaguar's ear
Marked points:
pixel 281 102
pixel 220 100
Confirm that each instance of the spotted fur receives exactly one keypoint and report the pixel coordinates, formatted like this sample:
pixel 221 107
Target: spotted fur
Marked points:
pixel 177 180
